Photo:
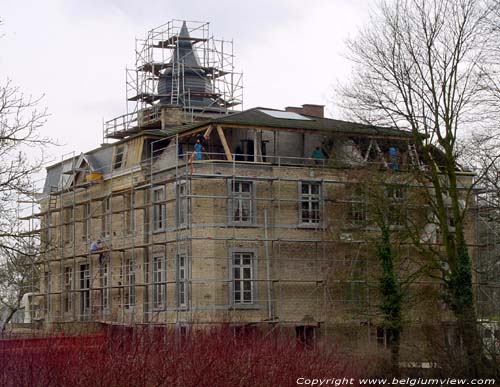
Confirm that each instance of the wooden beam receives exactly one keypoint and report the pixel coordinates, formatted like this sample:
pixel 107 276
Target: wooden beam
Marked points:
pixel 229 156
pixel 330 132
pixel 380 153
pixel 368 150
pixel 207 133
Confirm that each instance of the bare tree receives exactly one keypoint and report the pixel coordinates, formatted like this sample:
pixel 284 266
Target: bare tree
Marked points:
pixel 389 211
pixel 423 65
pixel 20 121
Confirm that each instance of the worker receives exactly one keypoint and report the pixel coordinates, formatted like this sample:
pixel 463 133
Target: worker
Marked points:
pixel 198 148
pixel 180 150
pixel 393 158
pixel 318 155
pixel 97 247
pixel 238 156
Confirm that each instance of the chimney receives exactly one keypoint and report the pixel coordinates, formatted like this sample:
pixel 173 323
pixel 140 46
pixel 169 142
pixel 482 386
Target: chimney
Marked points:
pixel 294 109
pixel 313 110
pixel 308 110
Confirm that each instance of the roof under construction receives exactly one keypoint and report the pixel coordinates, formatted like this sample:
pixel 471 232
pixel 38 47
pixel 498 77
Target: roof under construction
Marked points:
pixel 279 119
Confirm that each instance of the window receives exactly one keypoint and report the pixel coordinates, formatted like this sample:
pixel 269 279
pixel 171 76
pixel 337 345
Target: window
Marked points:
pixel 395 192
pixel 86 215
pixel 128 206
pixel 243 278
pixel 242 202
pixel 46 234
pixel 306 336
pixel 357 212
pixel 119 157
pixel 159 283
pixel 68 288
pixel 159 209
pixel 146 274
pixel 129 291
pixel 182 204
pixel 104 282
pixel 310 197
pixel 356 285
pixel 396 210
pixel 68 219
pixel 46 288
pixel 181 280
pixel 381 337
pixel 84 290
pixel 106 217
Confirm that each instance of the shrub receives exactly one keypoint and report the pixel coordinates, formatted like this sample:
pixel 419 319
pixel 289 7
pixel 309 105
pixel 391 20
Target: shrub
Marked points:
pixel 166 357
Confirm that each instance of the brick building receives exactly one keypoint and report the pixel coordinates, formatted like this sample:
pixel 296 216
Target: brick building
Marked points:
pixel 199 213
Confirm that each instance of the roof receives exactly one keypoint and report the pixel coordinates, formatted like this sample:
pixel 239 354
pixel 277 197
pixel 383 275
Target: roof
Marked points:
pixel 257 117
pixel 99 159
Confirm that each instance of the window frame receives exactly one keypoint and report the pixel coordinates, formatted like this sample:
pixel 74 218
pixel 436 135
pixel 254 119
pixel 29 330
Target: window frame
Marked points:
pixel 104 282
pixel 129 293
pixel 86 219
pixel 181 281
pixel 182 207
pixel 46 235
pixel 240 197
pixel 158 281
pixel 357 213
pixel 159 209
pixel 47 291
pixel 69 224
pixel 107 216
pixel 396 194
pixel 68 286
pixel 120 156
pixel 128 213
pixel 309 198
pixel 253 276
pixel 84 287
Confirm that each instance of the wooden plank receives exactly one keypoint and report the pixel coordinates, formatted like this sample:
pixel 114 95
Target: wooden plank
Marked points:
pixel 229 156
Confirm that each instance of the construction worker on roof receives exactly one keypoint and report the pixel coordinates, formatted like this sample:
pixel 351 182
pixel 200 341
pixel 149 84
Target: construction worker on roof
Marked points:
pixel 198 148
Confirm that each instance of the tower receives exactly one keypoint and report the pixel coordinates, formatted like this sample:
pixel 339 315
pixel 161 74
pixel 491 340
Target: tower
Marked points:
pixel 185 81
pixel 181 74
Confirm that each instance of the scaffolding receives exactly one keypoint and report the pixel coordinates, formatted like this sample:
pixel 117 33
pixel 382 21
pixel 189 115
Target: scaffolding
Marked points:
pixel 159 232
pixel 163 235
pixel 160 54
pixel 488 254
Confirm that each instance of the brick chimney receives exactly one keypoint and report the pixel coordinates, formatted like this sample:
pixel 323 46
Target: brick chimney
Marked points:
pixel 294 109
pixel 308 109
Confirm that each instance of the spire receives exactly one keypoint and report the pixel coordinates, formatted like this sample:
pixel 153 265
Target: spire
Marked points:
pixel 184 33
pixel 185 77
pixel 184 51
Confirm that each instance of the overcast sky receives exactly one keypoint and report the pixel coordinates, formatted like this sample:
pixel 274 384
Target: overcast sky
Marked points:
pixel 75 52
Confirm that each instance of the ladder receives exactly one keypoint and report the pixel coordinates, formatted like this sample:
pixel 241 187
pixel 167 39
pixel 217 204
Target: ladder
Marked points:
pixel 174 92
pixel 53 197
pixel 380 153
pixel 412 151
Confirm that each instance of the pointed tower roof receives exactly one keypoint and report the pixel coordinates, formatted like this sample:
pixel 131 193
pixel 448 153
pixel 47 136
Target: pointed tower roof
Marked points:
pixel 184 51
pixel 185 82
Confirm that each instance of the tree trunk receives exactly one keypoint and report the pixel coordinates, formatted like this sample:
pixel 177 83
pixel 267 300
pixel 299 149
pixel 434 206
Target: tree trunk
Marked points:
pixel 462 304
pixel 6 321
pixel 391 298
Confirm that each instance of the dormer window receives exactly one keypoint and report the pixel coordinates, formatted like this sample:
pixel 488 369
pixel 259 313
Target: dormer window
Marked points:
pixel 119 160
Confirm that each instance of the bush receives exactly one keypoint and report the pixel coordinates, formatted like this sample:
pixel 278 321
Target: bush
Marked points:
pixel 164 357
